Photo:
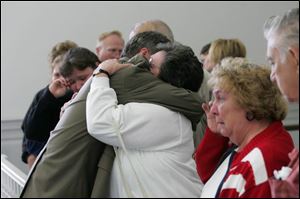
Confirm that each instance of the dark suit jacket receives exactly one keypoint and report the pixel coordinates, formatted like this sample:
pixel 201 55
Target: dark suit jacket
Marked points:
pixel 73 163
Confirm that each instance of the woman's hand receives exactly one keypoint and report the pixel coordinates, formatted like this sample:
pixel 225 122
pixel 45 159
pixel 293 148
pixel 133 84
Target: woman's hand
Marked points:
pixel 211 119
pixel 58 87
pixel 112 66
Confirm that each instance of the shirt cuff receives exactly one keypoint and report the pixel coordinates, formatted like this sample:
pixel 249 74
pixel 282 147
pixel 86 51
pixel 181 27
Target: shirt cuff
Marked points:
pixel 100 82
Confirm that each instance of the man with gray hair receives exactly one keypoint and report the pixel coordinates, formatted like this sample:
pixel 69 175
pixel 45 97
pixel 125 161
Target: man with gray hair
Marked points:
pixel 282 34
pixel 109 45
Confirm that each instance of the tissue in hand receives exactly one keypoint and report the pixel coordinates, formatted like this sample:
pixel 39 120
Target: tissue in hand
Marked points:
pixel 283 173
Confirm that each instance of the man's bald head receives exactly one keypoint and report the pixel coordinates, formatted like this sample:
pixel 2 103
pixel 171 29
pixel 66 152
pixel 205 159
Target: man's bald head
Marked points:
pixel 153 25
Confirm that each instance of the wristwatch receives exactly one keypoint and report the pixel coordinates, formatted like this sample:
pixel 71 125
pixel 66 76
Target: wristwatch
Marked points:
pixel 102 71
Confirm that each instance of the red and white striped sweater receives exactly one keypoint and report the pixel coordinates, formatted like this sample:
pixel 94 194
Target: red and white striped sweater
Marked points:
pixel 250 168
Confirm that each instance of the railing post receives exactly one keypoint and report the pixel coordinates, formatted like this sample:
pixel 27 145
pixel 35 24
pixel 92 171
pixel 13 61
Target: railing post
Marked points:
pixel 12 179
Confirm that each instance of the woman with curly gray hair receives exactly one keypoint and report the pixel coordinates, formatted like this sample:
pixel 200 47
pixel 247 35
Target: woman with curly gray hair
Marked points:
pixel 245 139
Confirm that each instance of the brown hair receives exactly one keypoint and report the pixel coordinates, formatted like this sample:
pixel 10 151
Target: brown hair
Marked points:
pixel 60 49
pixel 222 48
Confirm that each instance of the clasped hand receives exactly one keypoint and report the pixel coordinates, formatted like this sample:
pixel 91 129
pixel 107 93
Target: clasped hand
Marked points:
pixel 112 66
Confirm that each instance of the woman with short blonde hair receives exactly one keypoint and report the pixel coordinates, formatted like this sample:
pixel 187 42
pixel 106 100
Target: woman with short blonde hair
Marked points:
pixel 245 139
pixel 222 48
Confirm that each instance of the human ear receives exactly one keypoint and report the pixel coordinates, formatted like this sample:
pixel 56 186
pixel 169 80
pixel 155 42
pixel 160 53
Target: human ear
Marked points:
pixel 295 54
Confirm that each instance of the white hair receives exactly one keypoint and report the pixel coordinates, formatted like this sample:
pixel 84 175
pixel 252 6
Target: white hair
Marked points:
pixel 283 31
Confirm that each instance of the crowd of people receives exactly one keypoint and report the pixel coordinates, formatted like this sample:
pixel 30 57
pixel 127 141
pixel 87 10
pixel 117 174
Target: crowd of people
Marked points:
pixel 148 118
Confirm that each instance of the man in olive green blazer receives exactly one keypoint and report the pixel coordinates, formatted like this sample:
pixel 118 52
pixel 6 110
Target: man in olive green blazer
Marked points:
pixel 74 164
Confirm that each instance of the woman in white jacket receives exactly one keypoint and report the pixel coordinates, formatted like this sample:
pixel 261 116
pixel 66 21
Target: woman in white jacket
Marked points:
pixel 153 144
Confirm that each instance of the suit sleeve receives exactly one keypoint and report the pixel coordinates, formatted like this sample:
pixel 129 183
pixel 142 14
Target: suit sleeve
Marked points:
pixel 139 85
